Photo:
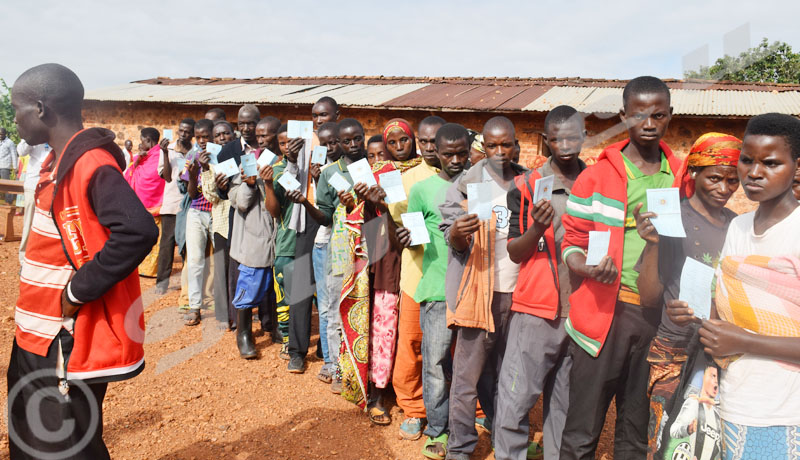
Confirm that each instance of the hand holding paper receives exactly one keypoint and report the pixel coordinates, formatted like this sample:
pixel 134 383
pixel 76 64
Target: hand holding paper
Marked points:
pixel 303 129
pixel 479 199
pixel 598 247
pixel 543 189
pixel 361 172
pixel 392 184
pixel 228 168
pixel 696 281
pixel 320 152
pixel 415 223
pixel 168 134
pixel 288 182
pixel 249 165
pixel 213 150
pixel 339 183
pixel 665 202
pixel 266 158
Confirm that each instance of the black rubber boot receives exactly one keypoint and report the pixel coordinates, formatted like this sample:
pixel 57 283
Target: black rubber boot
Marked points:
pixel 244 333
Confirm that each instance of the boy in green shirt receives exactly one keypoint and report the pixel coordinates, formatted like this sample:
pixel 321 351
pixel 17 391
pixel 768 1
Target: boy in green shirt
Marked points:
pixel 452 145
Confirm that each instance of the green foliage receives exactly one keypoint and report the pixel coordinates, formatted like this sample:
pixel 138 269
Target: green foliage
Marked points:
pixel 7 112
pixel 775 63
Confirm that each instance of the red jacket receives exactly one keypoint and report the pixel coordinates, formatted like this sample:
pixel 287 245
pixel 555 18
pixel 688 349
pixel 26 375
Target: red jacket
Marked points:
pixel 538 285
pixel 599 202
pixel 105 233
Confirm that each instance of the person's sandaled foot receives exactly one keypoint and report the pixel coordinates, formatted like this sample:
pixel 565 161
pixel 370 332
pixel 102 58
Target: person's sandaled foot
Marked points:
pixel 411 429
pixel 379 416
pixel 435 448
pixel 326 373
pixel 192 318
pixel 535 451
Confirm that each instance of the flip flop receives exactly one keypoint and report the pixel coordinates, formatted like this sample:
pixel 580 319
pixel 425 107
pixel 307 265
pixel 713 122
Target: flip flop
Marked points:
pixel 375 414
pixel 437 442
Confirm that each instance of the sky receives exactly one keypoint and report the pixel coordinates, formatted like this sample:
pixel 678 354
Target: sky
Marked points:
pixel 113 42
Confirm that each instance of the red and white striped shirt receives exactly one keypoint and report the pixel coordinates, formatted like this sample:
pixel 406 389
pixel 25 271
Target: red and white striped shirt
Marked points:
pixel 45 273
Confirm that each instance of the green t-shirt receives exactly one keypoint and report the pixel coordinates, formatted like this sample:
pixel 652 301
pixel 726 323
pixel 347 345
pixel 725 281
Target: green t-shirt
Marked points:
pixel 638 183
pixel 285 237
pixel 425 197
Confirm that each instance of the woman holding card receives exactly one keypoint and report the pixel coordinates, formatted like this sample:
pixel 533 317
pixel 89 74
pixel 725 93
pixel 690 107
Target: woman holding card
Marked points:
pixel 384 257
pixel 756 339
pixel 707 179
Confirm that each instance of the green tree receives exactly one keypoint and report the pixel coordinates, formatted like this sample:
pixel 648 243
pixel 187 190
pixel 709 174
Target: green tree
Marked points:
pixel 765 63
pixel 7 112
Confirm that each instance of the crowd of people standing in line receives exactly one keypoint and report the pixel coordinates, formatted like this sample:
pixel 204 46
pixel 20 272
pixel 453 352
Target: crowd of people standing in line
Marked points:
pixel 500 305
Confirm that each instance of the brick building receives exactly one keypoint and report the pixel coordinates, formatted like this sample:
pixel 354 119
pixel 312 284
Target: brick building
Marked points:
pixel 699 106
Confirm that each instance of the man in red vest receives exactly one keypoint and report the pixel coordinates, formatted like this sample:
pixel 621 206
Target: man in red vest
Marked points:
pixel 79 317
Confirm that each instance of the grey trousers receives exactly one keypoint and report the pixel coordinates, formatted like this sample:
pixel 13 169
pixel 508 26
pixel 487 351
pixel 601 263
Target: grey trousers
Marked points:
pixel 537 361
pixel 476 362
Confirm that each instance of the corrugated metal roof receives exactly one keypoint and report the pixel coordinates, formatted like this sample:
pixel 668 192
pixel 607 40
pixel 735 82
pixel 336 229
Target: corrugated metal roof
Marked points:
pixel 466 94
pixel 238 93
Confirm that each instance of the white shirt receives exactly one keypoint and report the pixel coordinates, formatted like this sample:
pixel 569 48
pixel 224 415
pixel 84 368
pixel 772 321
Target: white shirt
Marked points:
pixel 759 391
pixel 37 155
pixel 171 202
pixel 505 271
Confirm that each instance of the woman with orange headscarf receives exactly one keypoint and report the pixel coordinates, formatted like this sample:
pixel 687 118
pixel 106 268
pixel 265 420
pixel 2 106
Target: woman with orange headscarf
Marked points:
pixel 372 218
pixel 707 179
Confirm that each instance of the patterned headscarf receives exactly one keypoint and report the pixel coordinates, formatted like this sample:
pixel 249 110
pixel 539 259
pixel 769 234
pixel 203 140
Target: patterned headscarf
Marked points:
pixel 710 149
pixel 477 144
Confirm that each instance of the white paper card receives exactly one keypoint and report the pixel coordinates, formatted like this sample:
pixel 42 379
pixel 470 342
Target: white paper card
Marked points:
pixel 415 223
pixel 168 134
pixel 696 281
pixel 249 165
pixel 213 150
pixel 266 158
pixel 598 247
pixel 228 167
pixel 479 199
pixel 288 182
pixel 361 172
pixel 302 129
pixel 392 184
pixel 320 152
pixel 666 203
pixel 339 183
pixel 543 189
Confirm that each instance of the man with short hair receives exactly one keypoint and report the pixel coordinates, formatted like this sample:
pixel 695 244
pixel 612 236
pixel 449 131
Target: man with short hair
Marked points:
pixel 215 114
pixel 79 315
pixel 8 159
pixel 170 164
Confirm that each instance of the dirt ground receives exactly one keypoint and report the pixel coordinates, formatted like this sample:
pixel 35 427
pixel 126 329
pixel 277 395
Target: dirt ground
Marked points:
pixel 197 399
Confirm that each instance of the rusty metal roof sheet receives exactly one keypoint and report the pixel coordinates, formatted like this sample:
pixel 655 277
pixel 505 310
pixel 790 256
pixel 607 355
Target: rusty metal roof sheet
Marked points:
pixel 489 95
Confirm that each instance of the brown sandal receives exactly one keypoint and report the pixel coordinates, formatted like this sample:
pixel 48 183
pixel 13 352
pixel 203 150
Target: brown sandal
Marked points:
pixel 379 416
pixel 192 318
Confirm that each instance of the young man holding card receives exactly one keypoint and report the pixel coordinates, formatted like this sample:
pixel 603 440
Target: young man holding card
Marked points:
pixel 198 225
pixel 425 197
pixel 479 283
pixel 328 137
pixel 610 328
pixel 170 165
pixel 537 357
pixel 707 180
pixel 223 132
pixel 754 333
pixel 294 243
pixel 267 134
pixel 325 110
pixel 407 372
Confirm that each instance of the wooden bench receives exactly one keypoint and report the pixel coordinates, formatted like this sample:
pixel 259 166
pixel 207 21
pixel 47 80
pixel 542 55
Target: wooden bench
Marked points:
pixel 7 211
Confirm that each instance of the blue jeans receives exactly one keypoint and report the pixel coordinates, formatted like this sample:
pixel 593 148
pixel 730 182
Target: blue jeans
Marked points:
pixel 251 287
pixel 319 258
pixel 436 360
